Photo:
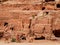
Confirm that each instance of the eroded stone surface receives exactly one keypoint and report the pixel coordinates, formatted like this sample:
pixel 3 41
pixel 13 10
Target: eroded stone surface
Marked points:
pixel 20 21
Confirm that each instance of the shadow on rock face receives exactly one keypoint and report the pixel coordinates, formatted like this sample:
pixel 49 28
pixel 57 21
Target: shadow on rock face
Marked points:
pixel 49 0
pixel 24 38
pixel 56 33
pixel 1 1
pixel 12 28
pixel 1 34
pixel 58 5
pixel 5 24
pixel 43 8
pixel 41 38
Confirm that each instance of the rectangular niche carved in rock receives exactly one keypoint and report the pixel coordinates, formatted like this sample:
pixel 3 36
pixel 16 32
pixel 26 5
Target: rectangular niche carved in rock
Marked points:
pixel 58 5
pixel 56 33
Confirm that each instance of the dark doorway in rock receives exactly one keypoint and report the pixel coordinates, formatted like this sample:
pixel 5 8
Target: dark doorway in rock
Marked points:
pixel 49 0
pixel 56 33
pixel 58 5
pixel 40 38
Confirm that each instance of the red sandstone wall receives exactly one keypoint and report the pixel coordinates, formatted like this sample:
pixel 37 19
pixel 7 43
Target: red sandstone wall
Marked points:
pixel 38 18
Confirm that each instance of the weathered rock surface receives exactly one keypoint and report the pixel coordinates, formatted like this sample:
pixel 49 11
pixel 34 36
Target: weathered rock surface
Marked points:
pixel 28 21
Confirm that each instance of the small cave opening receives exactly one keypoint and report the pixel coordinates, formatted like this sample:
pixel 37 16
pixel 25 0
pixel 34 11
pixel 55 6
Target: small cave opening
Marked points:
pixel 58 5
pixel 40 38
pixel 1 34
pixel 23 38
pixel 56 33
pixel 49 0
pixel 43 8
pixel 5 24
pixel 47 12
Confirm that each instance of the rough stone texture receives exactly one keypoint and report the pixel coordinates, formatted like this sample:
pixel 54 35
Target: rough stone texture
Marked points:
pixel 31 20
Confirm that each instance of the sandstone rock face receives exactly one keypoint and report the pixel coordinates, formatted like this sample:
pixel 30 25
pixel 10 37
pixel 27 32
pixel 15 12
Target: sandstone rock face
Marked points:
pixel 29 19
